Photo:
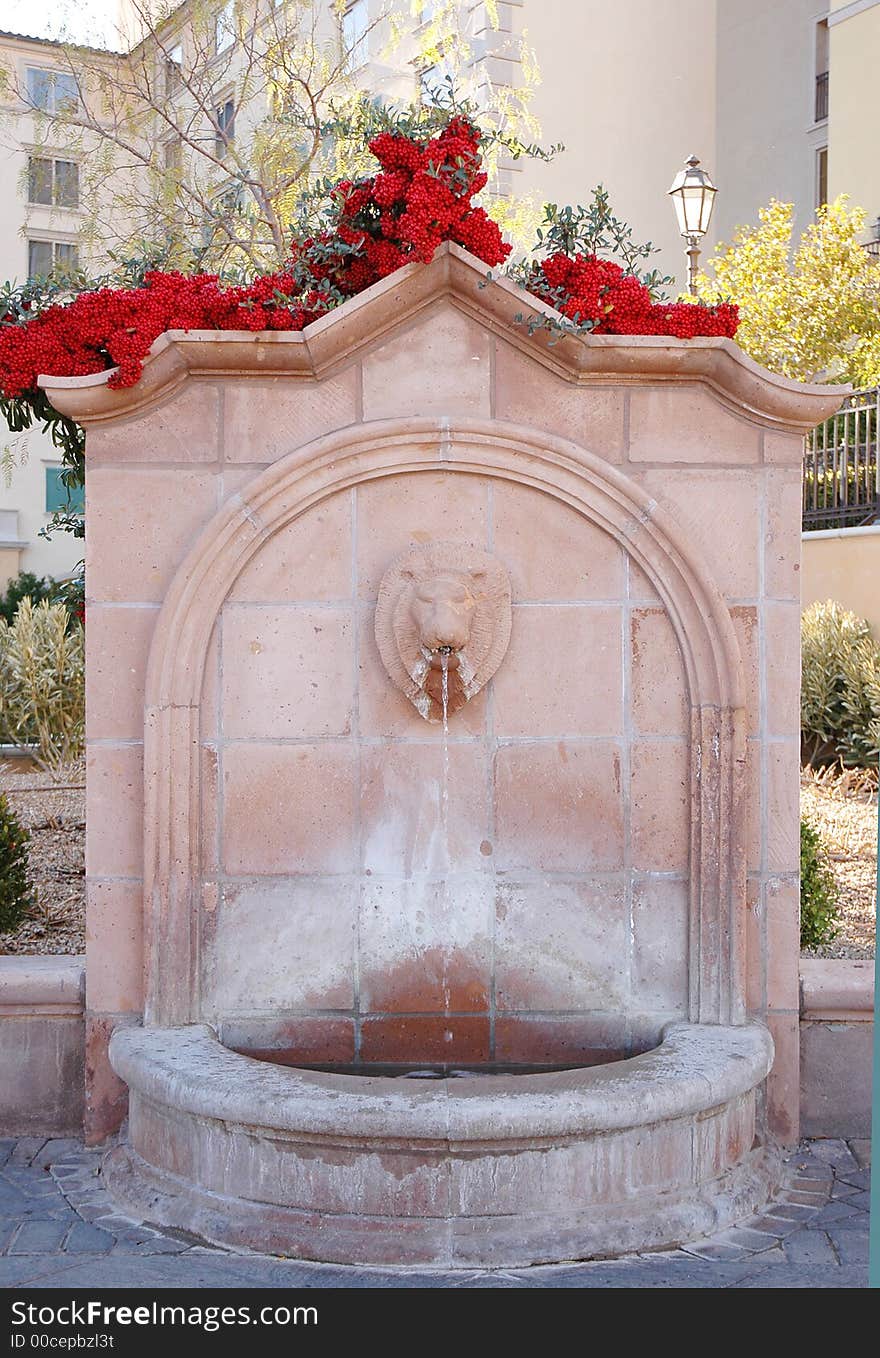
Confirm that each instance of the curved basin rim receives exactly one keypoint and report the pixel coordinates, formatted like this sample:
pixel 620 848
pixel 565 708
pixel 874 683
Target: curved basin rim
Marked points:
pixel 695 1068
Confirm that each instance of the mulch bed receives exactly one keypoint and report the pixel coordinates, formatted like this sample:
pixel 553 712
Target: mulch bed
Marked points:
pixel 55 815
pixel 843 808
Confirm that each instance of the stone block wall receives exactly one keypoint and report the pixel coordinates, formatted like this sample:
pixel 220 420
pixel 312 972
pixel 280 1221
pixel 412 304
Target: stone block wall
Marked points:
pixel 568 931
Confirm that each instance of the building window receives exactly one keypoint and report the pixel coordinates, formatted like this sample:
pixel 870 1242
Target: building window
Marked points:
pixel 173 70
pixel 224 28
pixel 47 257
pixel 225 135
pixel 172 156
pixel 822 177
pixel 51 91
pixel 53 183
pixel 355 22
pixel 58 497
pixel 820 112
pixel 436 83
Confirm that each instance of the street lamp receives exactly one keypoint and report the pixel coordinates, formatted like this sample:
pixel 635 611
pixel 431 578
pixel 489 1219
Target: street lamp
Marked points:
pixel 693 195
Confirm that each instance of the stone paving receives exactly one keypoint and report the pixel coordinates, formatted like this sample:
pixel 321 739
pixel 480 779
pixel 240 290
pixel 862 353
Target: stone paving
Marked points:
pixel 58 1228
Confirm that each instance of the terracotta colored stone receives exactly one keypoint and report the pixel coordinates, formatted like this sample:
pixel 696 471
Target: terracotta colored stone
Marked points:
pixel 590 416
pixel 408 827
pixel 754 802
pixel 783 807
pixel 106 1094
pixel 718 513
pixel 141 525
pixel 784 449
pixel 583 563
pixel 660 945
pixel 117 642
pixel 300 412
pixel 210 807
pixel 783 1082
pixel 424 1039
pixel 115 802
pixel 308 560
pixel 281 945
pixel 298 1041
pixel 440 366
pixel 640 588
pixel 559 807
pixel 782 541
pixel 658 680
pixel 384 710
pixel 288 808
pixel 340 799
pixel 467 1172
pixel 660 800
pixel 425 945
pixel 209 707
pixel 42 1041
pixel 184 429
pixel 782 631
pixel 723 1138
pixel 557 1040
pixel 783 942
pixel 756 988
pixel 559 945
pixel 677 424
pixel 397 512
pixel 539 691
pixel 836 1061
pixel 287 671
pixel 236 480
pixel 114 946
pixel 442 625
pixel 745 623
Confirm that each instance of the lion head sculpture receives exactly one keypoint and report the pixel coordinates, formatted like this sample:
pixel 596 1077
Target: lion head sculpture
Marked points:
pixel 443 611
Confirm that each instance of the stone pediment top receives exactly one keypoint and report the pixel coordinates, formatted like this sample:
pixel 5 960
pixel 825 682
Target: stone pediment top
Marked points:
pixel 494 302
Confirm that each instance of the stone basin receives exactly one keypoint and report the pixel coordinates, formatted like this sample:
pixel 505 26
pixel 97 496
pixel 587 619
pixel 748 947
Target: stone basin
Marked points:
pixel 505 1170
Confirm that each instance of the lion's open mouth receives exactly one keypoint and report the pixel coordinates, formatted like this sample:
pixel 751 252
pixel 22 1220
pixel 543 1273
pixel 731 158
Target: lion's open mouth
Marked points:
pixel 440 655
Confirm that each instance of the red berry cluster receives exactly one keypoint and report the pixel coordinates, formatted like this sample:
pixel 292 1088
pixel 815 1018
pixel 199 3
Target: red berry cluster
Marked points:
pixel 597 292
pixel 114 327
pixel 421 196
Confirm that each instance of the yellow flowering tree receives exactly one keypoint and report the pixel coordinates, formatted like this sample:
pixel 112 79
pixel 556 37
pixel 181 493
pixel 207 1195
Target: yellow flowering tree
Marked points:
pixel 810 311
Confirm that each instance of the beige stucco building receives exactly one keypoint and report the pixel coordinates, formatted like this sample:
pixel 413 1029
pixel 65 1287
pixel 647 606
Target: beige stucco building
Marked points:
pixel 631 89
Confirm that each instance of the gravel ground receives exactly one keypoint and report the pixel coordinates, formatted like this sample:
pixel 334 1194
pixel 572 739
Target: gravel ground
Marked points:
pixel 844 811
pixel 56 818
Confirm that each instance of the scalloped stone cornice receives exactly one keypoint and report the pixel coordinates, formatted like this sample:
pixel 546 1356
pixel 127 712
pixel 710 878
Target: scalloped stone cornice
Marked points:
pixel 497 303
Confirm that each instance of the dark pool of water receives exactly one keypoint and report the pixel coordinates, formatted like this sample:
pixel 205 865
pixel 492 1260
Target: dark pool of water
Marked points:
pixel 423 1072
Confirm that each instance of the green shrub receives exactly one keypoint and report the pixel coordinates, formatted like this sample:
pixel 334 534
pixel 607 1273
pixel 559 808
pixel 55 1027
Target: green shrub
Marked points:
pixel 819 892
pixel 840 686
pixel 15 894
pixel 24 586
pixel 42 683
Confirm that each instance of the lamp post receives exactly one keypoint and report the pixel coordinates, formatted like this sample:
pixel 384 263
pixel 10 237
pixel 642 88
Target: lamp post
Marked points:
pixel 693 196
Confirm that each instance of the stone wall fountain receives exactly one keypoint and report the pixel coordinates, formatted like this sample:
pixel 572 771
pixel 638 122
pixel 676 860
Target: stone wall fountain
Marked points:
pixel 464 739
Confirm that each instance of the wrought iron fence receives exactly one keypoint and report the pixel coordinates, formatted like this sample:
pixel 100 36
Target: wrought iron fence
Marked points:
pixel 841 467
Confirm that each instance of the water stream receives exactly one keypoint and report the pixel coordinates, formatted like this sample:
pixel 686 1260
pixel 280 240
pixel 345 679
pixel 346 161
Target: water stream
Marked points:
pixel 444 803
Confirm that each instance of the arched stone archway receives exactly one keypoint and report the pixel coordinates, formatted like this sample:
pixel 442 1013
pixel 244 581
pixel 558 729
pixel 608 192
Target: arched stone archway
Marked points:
pixel 487 448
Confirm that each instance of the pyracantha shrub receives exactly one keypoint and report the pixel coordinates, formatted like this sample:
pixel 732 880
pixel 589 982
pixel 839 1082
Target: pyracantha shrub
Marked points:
pixel 596 293
pixel 422 195
pixel 15 893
